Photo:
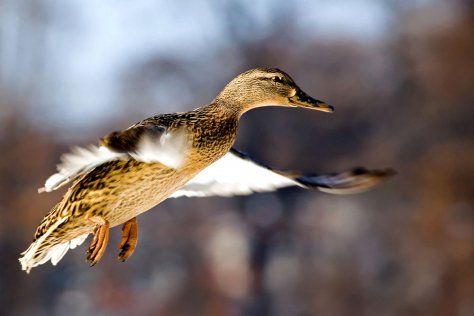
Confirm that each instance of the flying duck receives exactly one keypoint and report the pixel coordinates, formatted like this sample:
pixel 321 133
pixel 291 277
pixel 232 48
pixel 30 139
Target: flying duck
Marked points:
pixel 169 156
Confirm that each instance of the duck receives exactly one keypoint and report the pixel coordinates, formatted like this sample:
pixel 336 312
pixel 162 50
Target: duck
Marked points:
pixel 185 154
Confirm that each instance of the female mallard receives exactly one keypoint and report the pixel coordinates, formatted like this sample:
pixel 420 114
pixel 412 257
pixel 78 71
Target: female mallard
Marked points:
pixel 172 155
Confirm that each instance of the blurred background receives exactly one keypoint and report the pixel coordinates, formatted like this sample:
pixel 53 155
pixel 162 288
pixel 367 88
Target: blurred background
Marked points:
pixel 401 76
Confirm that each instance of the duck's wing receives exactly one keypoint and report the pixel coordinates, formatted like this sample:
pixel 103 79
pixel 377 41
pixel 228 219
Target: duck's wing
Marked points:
pixel 237 173
pixel 148 143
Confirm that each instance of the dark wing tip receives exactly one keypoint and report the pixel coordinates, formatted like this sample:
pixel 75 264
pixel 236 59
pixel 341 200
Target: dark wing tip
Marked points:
pixel 352 181
pixel 388 172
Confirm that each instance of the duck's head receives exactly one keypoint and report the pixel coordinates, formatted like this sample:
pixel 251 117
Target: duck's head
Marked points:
pixel 267 87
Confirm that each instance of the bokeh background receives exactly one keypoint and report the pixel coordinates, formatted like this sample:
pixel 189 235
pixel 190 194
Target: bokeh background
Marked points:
pixel 401 76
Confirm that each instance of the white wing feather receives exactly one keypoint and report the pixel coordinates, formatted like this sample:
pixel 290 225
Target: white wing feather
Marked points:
pixel 232 175
pixel 78 161
pixel 169 149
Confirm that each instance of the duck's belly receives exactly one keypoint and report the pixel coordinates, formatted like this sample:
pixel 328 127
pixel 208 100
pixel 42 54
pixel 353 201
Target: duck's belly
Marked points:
pixel 121 190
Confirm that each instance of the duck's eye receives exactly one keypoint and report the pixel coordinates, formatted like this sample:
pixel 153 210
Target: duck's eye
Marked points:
pixel 277 79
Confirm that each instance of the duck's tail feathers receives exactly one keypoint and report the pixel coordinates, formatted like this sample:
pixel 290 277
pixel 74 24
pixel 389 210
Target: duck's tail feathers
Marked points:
pixel 40 252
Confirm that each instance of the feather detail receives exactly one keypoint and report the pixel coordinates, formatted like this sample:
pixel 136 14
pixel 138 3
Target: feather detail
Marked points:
pixel 77 241
pixel 169 149
pixel 234 174
pixel 31 257
pixel 35 256
pixel 353 181
pixel 58 252
pixel 78 161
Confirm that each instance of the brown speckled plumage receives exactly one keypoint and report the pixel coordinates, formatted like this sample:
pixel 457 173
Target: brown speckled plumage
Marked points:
pixel 122 189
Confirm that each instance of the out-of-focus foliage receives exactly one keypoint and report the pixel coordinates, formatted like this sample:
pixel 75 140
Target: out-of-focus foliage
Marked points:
pixel 404 99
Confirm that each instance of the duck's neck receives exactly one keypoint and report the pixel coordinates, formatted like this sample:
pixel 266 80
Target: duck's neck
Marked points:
pixel 225 108
pixel 233 106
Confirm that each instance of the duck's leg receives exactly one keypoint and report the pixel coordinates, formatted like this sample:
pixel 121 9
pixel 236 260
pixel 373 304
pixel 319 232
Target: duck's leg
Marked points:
pixel 129 239
pixel 99 241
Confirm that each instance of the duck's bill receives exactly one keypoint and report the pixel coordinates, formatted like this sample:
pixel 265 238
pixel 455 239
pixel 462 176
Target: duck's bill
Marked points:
pixel 304 100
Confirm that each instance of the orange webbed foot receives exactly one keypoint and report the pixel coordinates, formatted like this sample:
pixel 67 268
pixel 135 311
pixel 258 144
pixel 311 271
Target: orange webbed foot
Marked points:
pixel 129 239
pixel 99 241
